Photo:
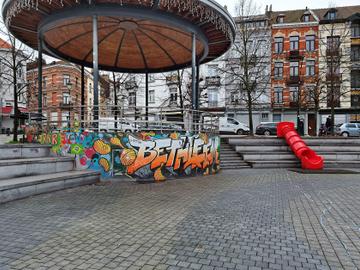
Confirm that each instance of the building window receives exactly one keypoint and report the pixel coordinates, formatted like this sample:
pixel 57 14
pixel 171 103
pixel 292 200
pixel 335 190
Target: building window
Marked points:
pixel 279 45
pixel 331 15
pixel 264 117
pixel 294 69
pixel 294 94
pixel 355 30
pixel 277 118
pixel 355 100
pixel 90 88
pixel 53 79
pixel 66 79
pixel 45 101
pixel 294 43
pixel 66 98
pixel 173 95
pixel 54 98
pixel 310 68
pixel 212 70
pixel 278 70
pixel 306 18
pixel 333 43
pixel 280 19
pixel 310 43
pixel 151 96
pixel 132 99
pixel 234 97
pixel 54 118
pixel 76 81
pixel 278 95
pixel 355 79
pixel 336 92
pixel 213 98
pixel 355 53
pixel 44 82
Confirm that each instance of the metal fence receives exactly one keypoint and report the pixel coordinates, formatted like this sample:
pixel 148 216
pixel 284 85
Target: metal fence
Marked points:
pixel 115 119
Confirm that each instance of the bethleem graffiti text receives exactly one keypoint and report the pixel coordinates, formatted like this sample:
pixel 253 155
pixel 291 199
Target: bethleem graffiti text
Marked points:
pixel 141 156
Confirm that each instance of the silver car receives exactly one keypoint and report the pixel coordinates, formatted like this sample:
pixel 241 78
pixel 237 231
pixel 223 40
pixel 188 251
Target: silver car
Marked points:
pixel 348 130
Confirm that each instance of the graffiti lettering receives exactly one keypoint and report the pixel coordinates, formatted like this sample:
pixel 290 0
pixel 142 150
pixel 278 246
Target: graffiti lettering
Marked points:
pixel 144 155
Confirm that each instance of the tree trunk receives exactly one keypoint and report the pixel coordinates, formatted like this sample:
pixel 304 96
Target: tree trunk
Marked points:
pixel 181 95
pixel 16 107
pixel 250 111
pixel 116 113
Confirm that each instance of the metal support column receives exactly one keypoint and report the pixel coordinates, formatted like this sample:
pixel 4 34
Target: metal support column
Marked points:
pixel 96 71
pixel 147 98
pixel 193 72
pixel 197 100
pixel 40 78
pixel 82 96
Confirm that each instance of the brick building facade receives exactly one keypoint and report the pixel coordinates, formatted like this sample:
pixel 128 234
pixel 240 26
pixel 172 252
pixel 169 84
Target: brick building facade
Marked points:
pixel 61 92
pixel 295 65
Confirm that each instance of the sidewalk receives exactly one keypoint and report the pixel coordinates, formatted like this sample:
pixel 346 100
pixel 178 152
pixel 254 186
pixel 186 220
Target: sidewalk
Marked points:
pixel 4 139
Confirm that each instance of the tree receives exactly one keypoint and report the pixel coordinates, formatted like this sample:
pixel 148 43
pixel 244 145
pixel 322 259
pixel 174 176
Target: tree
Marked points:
pixel 247 65
pixel 14 60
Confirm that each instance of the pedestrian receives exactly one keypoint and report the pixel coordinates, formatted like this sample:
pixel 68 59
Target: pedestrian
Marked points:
pixel 328 124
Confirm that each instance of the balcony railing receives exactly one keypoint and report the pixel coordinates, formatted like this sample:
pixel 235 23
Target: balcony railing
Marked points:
pixel 333 52
pixel 213 81
pixel 295 55
pixel 66 105
pixel 173 79
pixel 293 80
pixel 335 77
pixel 130 85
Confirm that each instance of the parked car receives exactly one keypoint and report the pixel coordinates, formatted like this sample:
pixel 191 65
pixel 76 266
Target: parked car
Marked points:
pixel 266 128
pixel 108 124
pixel 348 130
pixel 231 125
pixel 168 127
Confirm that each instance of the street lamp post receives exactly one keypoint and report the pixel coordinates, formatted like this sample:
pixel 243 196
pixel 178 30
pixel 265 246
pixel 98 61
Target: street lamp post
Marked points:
pixel 69 87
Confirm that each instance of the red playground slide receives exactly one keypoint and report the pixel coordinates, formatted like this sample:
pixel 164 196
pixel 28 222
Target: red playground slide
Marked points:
pixel 309 159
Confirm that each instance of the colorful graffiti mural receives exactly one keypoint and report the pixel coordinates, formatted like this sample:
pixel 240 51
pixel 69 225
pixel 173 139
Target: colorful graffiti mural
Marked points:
pixel 146 155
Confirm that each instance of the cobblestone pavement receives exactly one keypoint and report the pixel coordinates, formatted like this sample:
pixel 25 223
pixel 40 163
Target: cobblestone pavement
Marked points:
pixel 249 219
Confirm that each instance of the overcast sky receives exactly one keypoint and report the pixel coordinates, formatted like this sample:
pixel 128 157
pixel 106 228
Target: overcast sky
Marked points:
pixel 293 4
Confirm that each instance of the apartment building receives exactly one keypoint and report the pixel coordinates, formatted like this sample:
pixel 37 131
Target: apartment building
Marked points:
pixel 61 93
pixel 7 108
pixel 295 66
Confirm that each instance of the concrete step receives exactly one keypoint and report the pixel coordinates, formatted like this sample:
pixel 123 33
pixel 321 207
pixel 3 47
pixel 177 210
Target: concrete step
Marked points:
pixel 22 187
pixel 284 148
pixel 310 141
pixel 348 164
pixel 235 167
pixel 14 151
pixel 227 158
pixel 291 156
pixel 267 164
pixel 34 166
pixel 297 164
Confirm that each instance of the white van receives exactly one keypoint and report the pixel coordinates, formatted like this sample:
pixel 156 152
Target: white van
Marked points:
pixel 231 125
pixel 108 124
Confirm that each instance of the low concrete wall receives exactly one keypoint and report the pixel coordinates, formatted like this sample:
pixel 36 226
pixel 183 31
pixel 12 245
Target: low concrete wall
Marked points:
pixel 144 155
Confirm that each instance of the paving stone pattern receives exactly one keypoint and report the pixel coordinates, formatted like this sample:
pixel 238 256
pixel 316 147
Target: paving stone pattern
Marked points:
pixel 249 219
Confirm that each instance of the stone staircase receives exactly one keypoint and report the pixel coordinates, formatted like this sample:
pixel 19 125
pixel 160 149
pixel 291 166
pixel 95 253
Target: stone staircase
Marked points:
pixel 274 153
pixel 27 170
pixel 230 160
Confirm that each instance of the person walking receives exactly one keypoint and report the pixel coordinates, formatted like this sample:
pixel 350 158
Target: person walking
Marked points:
pixel 328 125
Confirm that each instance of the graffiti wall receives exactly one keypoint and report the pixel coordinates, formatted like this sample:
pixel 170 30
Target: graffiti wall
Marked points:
pixel 142 156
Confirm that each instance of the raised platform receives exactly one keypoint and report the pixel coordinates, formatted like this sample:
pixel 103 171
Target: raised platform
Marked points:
pixel 27 170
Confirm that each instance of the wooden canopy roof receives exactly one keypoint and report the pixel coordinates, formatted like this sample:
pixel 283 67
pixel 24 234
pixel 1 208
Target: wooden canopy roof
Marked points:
pixel 133 35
